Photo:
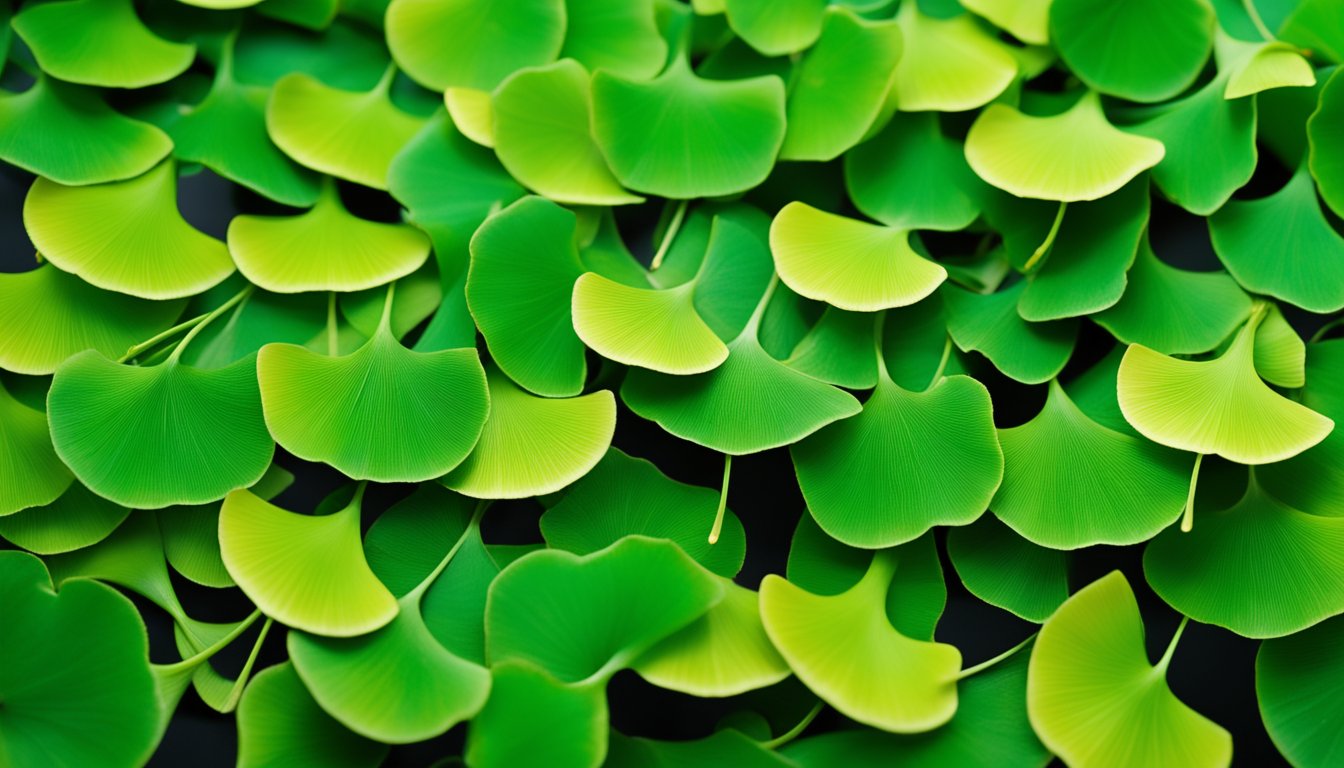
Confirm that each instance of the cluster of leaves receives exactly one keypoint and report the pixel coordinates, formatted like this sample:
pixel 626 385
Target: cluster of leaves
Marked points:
pixel 802 289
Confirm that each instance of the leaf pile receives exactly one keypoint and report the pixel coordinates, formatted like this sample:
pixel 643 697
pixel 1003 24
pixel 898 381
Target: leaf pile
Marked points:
pixel 475 233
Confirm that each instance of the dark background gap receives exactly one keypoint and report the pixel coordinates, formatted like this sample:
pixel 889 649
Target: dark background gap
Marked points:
pixel 1213 670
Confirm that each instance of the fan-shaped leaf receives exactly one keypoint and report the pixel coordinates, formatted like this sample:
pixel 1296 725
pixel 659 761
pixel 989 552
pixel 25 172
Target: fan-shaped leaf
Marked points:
pixel 492 38
pixel 350 135
pixel 305 571
pixel 84 638
pixel 86 42
pixel 1071 156
pixel 651 132
pixel 847 652
pixel 126 236
pixel 68 134
pixel 324 249
pixel 1094 699
pixel 542 136
pixel 1069 482
pixel 627 496
pixel 531 446
pixel 1216 406
pixel 1260 568
pixel 151 437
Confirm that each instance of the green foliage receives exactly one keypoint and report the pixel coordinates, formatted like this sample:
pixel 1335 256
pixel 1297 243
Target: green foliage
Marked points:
pixel 920 250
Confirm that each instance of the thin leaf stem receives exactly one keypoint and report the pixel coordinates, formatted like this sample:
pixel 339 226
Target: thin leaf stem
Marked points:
pixel 796 730
pixel 982 666
pixel 385 82
pixel 1044 247
pixel 236 692
pixel 203 655
pixel 414 595
pixel 753 326
pixel 879 327
pixel 161 336
pixel 1188 519
pixel 209 318
pixel 942 363
pixel 1324 329
pixel 1259 23
pixel 385 321
pixel 333 335
pixel 723 499
pixel 670 234
pixel 1171 646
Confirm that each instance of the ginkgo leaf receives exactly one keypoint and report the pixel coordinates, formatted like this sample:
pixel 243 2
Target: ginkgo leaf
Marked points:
pixel 530 445
pixel 915 601
pixel 47 315
pixel 1076 262
pixel 1314 479
pixel 473 114
pixel 492 38
pixel 279 723
pixel 523 266
pixel 1259 568
pixel 1257 67
pixel 542 136
pixel 226 132
pixel 324 249
pixel 126 236
pixel 651 131
pixel 1216 406
pixel 1283 245
pixel 723 653
pixel 618 37
pixel 1280 354
pixel 776 27
pixel 841 85
pixel 31 474
pixel 1074 155
pixel 582 618
pixel 908 461
pixel 623 496
pixel 1210 146
pixel 948 65
pixel 1006 570
pixel 75 520
pixel 750 403
pixel 382 413
pixel 847 652
pixel 350 135
pixel 990 727
pixel 87 638
pixel 82 139
pixel 531 715
pixel 849 263
pixel 1142 50
pixel 990 324
pixel 1175 311
pixel 86 42
pixel 425 689
pixel 1027 20
pixel 1094 698
pixel 1069 482
pixel 306 571
pixel 1296 681
pixel 1326 159
pixel 911 175
pixel 657 329
pixel 838 350
pixel 152 436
